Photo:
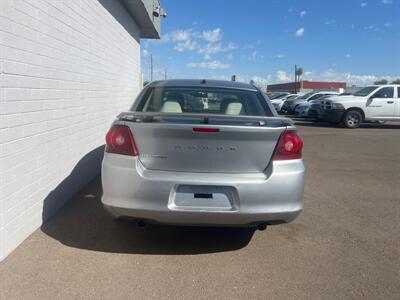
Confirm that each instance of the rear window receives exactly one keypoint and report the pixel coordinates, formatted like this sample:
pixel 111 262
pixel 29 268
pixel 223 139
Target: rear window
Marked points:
pixel 204 101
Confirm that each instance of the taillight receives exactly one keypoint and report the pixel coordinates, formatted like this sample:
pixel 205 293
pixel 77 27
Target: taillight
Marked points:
pixel 289 146
pixel 119 140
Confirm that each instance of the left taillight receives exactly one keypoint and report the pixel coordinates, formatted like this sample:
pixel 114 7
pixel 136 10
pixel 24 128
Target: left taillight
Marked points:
pixel 119 140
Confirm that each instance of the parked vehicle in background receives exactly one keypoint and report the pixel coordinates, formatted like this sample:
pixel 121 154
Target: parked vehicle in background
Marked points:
pixel 301 110
pixel 372 103
pixel 279 101
pixel 310 109
pixel 233 162
pixel 274 95
pixel 290 105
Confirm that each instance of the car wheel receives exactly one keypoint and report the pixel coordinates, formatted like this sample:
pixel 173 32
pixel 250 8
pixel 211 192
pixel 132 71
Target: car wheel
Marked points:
pixel 352 119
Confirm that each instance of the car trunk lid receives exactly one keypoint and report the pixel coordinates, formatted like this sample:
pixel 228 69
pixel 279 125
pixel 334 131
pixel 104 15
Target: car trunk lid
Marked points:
pixel 194 143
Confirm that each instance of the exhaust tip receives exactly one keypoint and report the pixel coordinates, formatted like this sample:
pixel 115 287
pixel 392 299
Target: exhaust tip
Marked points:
pixel 262 226
pixel 141 223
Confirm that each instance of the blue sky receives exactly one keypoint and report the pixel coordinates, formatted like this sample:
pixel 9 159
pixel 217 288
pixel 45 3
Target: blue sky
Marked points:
pixel 353 41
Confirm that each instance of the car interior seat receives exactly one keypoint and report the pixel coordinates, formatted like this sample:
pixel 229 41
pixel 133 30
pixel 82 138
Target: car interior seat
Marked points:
pixel 232 107
pixel 171 107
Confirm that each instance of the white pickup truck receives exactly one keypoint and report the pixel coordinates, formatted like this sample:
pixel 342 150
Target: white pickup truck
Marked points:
pixel 372 103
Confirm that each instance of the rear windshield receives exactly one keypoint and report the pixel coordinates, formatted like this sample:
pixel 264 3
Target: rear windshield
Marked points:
pixel 204 101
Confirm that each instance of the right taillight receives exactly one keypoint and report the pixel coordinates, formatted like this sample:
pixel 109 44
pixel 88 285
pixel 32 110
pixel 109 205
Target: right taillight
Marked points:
pixel 289 146
pixel 119 140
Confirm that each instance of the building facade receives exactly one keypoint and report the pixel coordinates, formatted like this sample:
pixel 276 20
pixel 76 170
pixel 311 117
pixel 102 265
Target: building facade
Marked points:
pixel 306 86
pixel 67 69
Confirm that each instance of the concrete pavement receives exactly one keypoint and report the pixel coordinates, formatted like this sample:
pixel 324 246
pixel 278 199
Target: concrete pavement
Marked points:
pixel 345 245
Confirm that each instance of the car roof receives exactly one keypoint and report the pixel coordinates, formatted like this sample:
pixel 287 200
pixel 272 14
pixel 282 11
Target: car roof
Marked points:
pixel 203 83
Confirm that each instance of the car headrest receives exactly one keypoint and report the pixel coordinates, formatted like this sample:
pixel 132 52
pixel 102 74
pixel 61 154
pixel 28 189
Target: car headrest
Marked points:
pixel 224 104
pixel 234 108
pixel 171 106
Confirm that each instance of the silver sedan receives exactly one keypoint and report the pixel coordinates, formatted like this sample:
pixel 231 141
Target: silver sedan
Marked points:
pixel 231 162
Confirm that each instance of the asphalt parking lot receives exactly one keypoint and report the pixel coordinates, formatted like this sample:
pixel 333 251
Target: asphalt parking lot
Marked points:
pixel 345 245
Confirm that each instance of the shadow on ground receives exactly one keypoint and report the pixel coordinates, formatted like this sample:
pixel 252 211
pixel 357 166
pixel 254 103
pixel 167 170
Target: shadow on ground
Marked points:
pixel 84 224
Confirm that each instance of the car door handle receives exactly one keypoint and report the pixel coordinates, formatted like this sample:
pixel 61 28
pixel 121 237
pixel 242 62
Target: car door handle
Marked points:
pixel 390 102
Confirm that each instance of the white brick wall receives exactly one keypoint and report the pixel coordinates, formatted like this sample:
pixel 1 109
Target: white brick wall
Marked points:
pixel 67 68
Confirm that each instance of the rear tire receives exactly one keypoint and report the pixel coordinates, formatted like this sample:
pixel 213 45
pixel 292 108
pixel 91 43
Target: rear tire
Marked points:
pixel 352 119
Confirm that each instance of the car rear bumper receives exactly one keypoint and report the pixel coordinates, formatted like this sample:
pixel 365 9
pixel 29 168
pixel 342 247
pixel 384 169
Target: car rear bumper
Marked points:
pixel 332 115
pixel 130 190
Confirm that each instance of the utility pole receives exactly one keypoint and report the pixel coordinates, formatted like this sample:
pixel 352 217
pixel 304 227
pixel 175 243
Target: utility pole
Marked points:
pixel 165 73
pixel 295 79
pixel 151 67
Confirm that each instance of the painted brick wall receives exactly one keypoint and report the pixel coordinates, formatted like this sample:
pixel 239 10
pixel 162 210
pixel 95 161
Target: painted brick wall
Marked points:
pixel 67 69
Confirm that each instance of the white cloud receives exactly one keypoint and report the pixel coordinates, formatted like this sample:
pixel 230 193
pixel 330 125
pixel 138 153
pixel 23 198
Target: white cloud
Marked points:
pixel 348 56
pixel 370 27
pixel 363 4
pixel 387 1
pixel 349 78
pixel 255 56
pixel 231 46
pixel 280 55
pixel 259 81
pixel 282 76
pixel 388 24
pixel 330 22
pixel 212 36
pixel 187 45
pixel 300 32
pixel 179 35
pixel 248 46
pixel 303 13
pixel 205 43
pixel 210 48
pixel 213 65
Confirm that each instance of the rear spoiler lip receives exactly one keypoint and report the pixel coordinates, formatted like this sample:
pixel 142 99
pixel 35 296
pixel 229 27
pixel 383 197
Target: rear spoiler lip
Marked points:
pixel 134 116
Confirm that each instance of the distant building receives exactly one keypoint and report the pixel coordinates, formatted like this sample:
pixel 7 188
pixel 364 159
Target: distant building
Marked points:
pixel 306 86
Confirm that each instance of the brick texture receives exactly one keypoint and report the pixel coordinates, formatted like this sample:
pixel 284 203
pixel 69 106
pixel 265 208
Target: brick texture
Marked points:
pixel 67 69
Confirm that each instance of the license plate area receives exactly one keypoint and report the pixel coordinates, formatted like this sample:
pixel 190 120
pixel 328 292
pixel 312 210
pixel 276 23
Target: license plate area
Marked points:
pixel 204 198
